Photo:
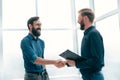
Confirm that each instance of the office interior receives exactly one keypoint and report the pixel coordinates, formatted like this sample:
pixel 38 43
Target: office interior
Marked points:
pixel 60 31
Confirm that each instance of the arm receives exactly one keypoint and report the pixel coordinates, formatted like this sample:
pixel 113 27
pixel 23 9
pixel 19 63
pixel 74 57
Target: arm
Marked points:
pixel 96 51
pixel 57 63
pixel 28 52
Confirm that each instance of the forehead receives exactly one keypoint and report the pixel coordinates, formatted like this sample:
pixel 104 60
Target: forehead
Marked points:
pixel 79 14
pixel 37 21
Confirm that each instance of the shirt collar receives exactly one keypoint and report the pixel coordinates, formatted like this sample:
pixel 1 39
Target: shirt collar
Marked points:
pixel 32 37
pixel 88 30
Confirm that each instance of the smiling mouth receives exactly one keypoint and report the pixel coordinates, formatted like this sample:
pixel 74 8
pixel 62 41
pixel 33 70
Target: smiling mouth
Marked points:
pixel 38 28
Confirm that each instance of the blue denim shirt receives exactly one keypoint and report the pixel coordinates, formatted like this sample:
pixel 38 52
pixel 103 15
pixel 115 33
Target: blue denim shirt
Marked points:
pixel 92 48
pixel 31 49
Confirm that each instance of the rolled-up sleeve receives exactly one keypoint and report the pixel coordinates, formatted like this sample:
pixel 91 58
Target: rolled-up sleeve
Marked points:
pixel 27 50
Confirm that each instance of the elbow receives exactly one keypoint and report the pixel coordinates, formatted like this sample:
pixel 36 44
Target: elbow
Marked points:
pixel 37 61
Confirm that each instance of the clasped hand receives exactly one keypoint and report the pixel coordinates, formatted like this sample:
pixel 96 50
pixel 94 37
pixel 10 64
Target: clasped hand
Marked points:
pixel 59 63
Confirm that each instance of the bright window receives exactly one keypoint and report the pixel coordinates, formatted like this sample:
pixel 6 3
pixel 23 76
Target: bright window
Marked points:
pixel 55 13
pixel 104 6
pixel 109 28
pixel 16 13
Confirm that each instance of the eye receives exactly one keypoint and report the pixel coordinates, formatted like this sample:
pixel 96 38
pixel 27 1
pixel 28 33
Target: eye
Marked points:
pixel 38 24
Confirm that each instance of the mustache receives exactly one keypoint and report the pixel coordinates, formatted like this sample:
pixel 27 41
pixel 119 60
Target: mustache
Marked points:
pixel 38 29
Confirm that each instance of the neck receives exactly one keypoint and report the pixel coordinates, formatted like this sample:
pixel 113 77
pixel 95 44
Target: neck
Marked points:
pixel 88 25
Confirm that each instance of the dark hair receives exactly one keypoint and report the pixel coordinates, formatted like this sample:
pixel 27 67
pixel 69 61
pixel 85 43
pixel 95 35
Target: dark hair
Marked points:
pixel 31 20
pixel 89 13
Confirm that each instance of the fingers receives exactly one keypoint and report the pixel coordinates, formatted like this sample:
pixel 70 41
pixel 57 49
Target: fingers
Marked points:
pixel 60 63
pixel 71 62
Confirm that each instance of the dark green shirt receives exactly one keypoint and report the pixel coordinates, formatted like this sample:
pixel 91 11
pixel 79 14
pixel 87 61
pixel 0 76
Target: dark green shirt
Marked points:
pixel 92 49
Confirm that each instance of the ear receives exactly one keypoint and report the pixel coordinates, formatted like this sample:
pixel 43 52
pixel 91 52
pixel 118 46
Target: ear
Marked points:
pixel 85 18
pixel 30 26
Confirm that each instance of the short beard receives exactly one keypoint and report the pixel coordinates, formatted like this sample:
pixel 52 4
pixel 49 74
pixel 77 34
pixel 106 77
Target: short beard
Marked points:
pixel 35 32
pixel 82 25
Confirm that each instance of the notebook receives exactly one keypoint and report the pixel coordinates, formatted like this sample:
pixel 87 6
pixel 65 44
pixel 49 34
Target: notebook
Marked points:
pixel 67 54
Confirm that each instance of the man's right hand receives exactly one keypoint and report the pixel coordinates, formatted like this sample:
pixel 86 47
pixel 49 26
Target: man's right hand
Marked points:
pixel 59 63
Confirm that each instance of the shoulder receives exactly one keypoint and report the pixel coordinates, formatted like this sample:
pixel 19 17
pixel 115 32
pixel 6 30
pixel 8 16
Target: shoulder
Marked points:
pixel 25 40
pixel 41 41
pixel 94 32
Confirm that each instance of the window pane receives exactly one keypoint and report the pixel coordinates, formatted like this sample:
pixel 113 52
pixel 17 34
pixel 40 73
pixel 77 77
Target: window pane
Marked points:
pixel 104 6
pixel 79 4
pixel 12 55
pixel 56 41
pixel 109 28
pixel 17 12
pixel 55 13
pixel 109 25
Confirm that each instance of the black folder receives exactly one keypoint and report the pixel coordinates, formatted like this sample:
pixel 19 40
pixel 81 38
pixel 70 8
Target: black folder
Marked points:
pixel 71 55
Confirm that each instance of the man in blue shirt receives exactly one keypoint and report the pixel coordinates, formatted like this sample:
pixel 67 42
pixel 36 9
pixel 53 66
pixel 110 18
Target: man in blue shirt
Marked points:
pixel 92 48
pixel 33 53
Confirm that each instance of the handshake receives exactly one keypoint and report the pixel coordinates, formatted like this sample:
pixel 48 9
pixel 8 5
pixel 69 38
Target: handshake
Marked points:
pixel 60 63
